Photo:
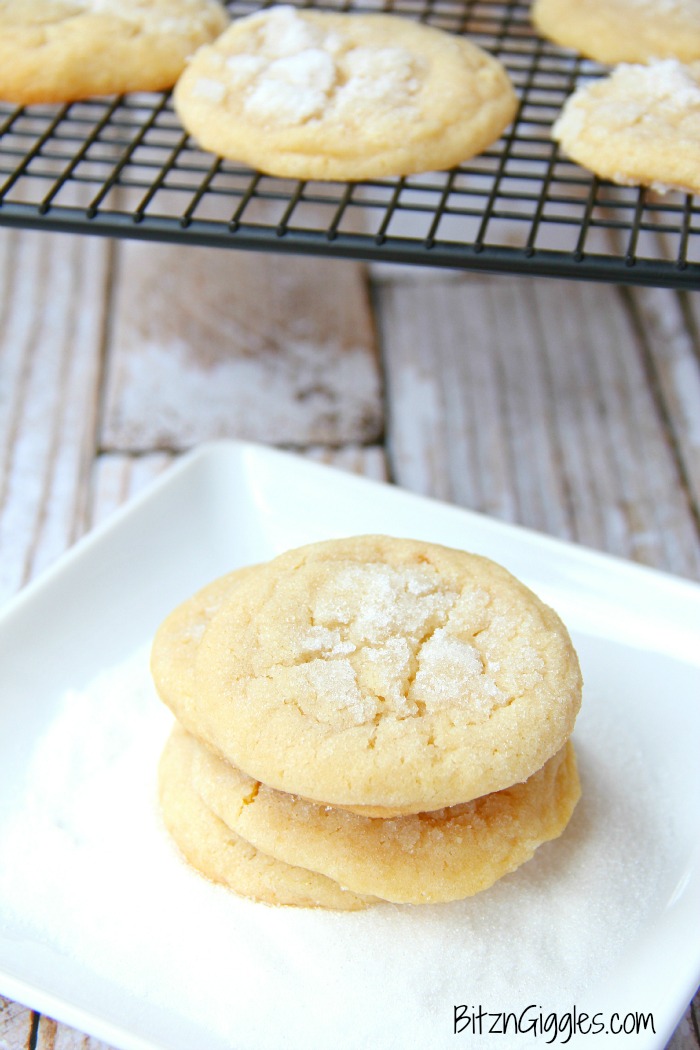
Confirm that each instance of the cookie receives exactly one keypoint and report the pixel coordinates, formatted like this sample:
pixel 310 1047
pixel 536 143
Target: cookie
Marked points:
pixel 64 50
pixel 427 858
pixel 177 639
pixel 175 648
pixel 640 126
pixel 381 672
pixel 223 857
pixel 317 95
pixel 613 31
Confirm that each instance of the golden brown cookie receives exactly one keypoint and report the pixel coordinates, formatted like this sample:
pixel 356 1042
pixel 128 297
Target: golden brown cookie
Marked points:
pixel 426 858
pixel 175 649
pixel 222 856
pixel 614 31
pixel 640 126
pixel 381 672
pixel 317 95
pixel 177 639
pixel 63 50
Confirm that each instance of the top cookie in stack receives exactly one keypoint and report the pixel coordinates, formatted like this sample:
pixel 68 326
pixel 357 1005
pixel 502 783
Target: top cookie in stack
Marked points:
pixel 374 679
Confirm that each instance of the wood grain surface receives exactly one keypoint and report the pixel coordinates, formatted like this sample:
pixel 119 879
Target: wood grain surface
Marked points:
pixel 570 408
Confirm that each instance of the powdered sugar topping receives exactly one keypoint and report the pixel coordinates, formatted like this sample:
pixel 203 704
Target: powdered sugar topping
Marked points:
pixel 299 71
pixel 668 82
pixel 636 96
pixel 292 89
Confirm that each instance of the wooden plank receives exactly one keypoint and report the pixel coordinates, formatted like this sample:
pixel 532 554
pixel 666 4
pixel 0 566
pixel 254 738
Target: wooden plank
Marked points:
pixel 626 457
pixel 54 1036
pixel 209 344
pixel 672 346
pixel 17 1026
pixel 453 395
pixel 687 1034
pixel 691 306
pixel 530 401
pixel 370 461
pixel 52 317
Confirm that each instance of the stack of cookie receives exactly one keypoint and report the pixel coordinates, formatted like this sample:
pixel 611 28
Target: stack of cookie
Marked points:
pixel 366 719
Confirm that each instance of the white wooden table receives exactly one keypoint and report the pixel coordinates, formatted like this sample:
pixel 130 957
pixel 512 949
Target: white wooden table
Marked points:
pixel 570 408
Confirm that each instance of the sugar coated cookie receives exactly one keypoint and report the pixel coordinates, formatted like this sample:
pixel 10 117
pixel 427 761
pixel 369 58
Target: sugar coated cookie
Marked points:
pixel 440 856
pixel 63 50
pixel 307 94
pixel 177 639
pixel 175 648
pixel 614 31
pixel 381 672
pixel 640 126
pixel 222 856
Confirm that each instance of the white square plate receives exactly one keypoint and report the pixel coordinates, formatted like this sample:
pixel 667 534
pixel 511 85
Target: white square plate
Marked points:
pixel 103 927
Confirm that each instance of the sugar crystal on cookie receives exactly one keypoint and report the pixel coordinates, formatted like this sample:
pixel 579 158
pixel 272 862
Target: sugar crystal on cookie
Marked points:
pixel 451 670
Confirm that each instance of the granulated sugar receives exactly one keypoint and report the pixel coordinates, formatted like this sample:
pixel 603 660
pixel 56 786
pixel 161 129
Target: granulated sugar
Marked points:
pixel 446 663
pixel 86 869
pixel 391 640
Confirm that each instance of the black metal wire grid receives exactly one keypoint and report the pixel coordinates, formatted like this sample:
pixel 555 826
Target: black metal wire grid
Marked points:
pixel 124 167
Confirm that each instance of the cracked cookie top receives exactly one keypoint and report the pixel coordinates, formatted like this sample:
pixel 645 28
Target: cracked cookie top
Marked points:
pixel 384 673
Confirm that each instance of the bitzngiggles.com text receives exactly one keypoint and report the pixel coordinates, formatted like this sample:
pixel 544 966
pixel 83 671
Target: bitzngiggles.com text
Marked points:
pixel 551 1027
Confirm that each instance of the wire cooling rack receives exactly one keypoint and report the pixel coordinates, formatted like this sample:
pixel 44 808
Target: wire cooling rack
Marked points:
pixel 124 167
